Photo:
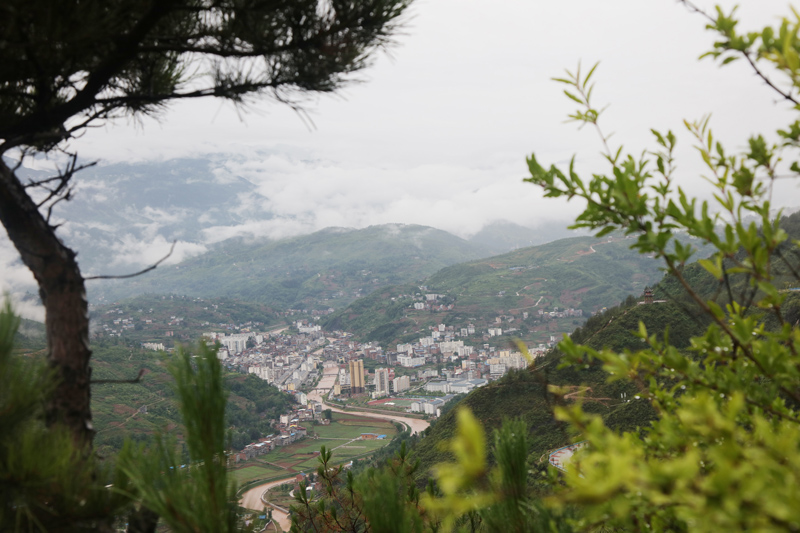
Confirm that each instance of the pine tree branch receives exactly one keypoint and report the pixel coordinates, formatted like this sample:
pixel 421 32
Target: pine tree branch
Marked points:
pixel 146 270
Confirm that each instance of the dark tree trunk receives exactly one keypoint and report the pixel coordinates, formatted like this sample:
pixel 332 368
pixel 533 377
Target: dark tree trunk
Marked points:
pixel 62 290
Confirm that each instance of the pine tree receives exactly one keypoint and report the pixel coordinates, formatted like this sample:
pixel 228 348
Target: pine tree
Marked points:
pixel 49 483
pixel 69 65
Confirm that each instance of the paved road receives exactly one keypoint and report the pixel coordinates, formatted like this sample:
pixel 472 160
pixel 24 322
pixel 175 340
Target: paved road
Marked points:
pixel 417 425
pixel 326 383
pixel 252 500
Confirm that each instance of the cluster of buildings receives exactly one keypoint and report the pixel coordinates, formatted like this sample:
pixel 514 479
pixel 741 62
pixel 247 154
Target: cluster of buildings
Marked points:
pixel 290 362
pixel 155 346
pixel 467 366
pixel 455 385
pixel 431 407
pixel 113 325
pixel 289 429
pixel 563 313
pixel 155 325
pixel 309 312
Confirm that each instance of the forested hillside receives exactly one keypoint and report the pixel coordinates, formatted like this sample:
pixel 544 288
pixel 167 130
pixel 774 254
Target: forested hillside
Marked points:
pixel 330 268
pixel 583 273
pixel 171 318
pixel 139 410
pixel 526 395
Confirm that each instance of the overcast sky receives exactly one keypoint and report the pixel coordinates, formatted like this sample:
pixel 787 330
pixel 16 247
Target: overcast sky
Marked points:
pixel 438 132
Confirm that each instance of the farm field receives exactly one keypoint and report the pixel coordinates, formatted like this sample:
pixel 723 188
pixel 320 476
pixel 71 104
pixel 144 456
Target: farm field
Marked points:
pixel 351 426
pixel 242 475
pixel 342 436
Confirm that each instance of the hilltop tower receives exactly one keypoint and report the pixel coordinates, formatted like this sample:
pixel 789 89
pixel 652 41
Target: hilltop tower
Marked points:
pixel 648 295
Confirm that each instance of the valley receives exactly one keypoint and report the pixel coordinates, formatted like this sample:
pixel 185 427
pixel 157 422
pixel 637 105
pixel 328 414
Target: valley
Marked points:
pixel 456 325
pixel 340 266
pixel 391 366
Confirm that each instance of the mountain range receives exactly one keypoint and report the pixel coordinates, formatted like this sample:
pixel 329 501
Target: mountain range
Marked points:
pixel 123 217
pixel 512 291
pixel 329 268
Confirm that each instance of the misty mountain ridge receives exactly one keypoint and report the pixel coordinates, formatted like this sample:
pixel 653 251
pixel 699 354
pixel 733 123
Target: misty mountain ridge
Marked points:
pixel 328 268
pixel 124 216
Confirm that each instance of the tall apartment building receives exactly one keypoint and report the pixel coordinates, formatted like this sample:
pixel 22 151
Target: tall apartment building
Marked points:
pixel 401 383
pixel 357 376
pixel 382 382
pixel 262 372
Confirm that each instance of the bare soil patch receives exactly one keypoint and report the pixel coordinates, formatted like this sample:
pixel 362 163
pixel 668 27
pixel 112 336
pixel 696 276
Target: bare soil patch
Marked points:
pixel 124 410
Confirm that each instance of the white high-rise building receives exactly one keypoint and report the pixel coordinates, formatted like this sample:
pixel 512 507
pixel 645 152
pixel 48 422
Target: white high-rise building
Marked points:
pixel 401 383
pixel 409 361
pixel 235 343
pixel 262 372
pixel 382 382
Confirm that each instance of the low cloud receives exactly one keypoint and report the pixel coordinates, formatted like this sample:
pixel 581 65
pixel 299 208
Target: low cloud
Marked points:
pixel 308 195
pixel 131 251
pixel 18 283
pixel 278 228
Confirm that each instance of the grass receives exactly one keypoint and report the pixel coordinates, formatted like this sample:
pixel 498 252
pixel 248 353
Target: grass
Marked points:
pixel 242 475
pixel 349 426
pixel 300 456
pixel 339 432
pixel 314 445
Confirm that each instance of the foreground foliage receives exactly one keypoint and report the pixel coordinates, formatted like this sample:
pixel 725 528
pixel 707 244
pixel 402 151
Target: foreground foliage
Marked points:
pixel 724 451
pixel 49 483
pixel 723 454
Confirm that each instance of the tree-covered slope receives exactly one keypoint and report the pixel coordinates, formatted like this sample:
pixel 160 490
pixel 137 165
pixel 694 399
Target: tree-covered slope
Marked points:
pixel 171 319
pixel 581 272
pixel 329 268
pixel 531 394
pixel 526 394
pixel 139 410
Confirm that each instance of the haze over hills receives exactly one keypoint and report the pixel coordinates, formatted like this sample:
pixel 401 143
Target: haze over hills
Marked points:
pixel 582 273
pixel 329 268
pixel 123 217
pixel 501 236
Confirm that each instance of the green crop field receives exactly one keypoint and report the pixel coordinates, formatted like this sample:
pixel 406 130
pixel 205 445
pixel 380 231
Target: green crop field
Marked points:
pixel 247 473
pixel 313 445
pixel 339 431
pixel 338 436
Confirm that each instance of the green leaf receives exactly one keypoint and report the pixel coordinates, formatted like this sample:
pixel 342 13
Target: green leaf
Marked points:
pixel 573 97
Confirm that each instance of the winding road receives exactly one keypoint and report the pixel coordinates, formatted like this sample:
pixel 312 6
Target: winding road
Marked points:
pixel 417 425
pixel 251 499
